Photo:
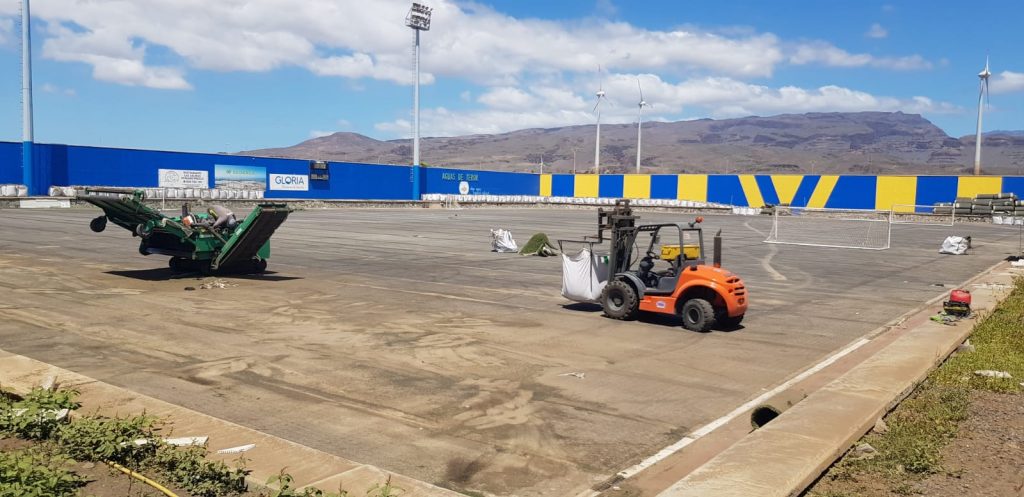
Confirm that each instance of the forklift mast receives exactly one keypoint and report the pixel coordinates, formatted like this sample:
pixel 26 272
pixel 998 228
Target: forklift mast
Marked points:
pixel 621 222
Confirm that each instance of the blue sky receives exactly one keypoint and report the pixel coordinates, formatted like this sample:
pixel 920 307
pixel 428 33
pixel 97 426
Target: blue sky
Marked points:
pixel 237 74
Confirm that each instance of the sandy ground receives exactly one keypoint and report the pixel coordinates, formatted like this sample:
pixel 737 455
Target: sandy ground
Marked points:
pixel 985 457
pixel 395 338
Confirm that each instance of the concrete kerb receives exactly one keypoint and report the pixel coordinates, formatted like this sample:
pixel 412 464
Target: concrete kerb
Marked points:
pixel 19 374
pixel 784 457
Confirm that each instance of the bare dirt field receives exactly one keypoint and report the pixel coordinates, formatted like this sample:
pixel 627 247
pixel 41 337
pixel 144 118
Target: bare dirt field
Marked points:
pixel 396 338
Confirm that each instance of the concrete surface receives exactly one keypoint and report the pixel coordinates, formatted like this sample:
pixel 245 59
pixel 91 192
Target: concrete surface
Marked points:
pixel 269 456
pixel 789 453
pixel 395 338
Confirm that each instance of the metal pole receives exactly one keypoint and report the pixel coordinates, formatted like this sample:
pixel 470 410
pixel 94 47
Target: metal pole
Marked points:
pixel 597 146
pixel 639 123
pixel 416 106
pixel 574 160
pixel 977 138
pixel 28 136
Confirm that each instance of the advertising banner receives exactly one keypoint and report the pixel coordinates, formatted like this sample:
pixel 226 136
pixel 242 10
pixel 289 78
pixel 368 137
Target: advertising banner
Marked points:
pixel 240 177
pixel 183 178
pixel 292 182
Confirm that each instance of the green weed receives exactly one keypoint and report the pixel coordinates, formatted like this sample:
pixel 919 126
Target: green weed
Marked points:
pixel 34 417
pixel 100 438
pixel 188 468
pixel 34 473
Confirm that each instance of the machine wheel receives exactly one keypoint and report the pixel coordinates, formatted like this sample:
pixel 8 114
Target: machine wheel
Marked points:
pixel 259 266
pixel 98 224
pixel 178 264
pixel 619 300
pixel 698 315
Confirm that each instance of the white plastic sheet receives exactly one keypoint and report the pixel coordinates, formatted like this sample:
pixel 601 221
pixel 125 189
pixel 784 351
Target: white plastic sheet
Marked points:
pixel 501 241
pixel 954 245
pixel 584 276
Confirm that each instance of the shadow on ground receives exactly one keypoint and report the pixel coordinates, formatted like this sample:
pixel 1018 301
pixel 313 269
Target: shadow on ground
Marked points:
pixel 645 317
pixel 167 274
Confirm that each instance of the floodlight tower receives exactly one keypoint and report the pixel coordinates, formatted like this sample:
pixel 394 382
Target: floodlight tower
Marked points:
pixel 419 20
pixel 27 135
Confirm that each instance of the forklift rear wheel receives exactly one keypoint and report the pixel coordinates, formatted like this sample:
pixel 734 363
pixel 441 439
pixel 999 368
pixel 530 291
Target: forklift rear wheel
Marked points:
pixel 98 224
pixel 698 315
pixel 619 300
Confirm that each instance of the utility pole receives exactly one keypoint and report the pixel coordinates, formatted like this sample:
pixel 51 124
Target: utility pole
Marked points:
pixel 27 133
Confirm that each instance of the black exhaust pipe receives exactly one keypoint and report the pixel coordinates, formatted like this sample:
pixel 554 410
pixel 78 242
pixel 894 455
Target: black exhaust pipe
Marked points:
pixel 717 259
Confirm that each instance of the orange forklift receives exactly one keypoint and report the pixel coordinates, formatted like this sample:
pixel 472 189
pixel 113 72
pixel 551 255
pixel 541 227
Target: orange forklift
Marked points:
pixel 704 296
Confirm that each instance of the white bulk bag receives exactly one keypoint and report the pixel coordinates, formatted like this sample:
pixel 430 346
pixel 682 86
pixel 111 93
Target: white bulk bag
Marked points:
pixel 501 241
pixel 584 276
pixel 954 245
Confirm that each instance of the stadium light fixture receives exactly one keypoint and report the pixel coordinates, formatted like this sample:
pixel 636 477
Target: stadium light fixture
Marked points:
pixel 419 20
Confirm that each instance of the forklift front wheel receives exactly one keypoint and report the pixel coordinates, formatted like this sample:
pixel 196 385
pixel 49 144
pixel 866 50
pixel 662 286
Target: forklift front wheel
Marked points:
pixel 259 266
pixel 98 224
pixel 698 315
pixel 619 300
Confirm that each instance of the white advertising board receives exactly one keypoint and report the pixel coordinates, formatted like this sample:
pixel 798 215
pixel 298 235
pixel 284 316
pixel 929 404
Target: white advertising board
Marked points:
pixel 293 182
pixel 183 178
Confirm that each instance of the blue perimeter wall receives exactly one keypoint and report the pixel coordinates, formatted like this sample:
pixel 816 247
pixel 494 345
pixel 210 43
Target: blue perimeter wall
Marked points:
pixel 67 165
pixel 70 165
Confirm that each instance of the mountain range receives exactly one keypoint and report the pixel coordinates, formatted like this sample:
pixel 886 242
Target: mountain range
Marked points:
pixel 836 142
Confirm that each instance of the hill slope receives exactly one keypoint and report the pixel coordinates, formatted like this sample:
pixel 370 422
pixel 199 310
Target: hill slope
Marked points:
pixel 861 142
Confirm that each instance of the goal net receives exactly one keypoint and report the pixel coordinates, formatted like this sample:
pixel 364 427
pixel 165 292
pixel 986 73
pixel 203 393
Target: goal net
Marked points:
pixel 837 228
pixel 922 215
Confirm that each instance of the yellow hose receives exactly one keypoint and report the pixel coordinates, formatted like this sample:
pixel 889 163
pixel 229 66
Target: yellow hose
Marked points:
pixel 141 478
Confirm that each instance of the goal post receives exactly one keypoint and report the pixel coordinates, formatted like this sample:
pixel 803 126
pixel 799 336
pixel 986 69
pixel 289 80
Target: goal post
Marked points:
pixel 923 215
pixel 833 228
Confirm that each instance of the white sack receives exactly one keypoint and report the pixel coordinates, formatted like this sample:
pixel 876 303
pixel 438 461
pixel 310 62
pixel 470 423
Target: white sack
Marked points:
pixel 501 241
pixel 584 276
pixel 954 245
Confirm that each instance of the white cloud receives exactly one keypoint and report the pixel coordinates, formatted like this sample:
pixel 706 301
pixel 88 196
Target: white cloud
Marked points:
pixel 113 58
pixel 52 88
pixel 605 8
pixel 7 32
pixel 823 53
pixel 357 39
pixel 546 106
pixel 316 133
pixel 507 98
pixel 877 31
pixel 1007 82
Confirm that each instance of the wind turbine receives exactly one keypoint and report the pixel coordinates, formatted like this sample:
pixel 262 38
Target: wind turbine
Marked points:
pixel 597 110
pixel 982 93
pixel 639 123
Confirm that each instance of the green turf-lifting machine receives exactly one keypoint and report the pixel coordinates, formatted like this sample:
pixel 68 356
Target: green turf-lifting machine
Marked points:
pixel 190 240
